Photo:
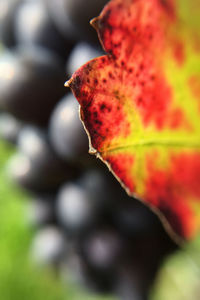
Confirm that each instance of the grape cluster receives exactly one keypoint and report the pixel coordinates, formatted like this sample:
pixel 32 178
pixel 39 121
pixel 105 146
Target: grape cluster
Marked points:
pixel 86 226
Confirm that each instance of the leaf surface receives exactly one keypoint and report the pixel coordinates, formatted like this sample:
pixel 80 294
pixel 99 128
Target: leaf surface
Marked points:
pixel 140 104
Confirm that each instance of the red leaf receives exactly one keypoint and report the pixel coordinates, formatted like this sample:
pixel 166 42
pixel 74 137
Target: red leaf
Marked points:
pixel 140 104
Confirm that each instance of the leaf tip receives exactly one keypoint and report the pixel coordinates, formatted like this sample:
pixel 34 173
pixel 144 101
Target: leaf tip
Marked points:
pixel 95 23
pixel 92 151
pixel 68 83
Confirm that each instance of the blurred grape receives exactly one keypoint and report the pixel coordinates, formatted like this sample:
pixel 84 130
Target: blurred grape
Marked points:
pixel 74 16
pixel 36 167
pixel 80 13
pixel 81 54
pixel 103 248
pixel 10 128
pixel 31 82
pixel 40 210
pixel 8 9
pixel 66 130
pixel 39 29
pixel 75 208
pixel 48 246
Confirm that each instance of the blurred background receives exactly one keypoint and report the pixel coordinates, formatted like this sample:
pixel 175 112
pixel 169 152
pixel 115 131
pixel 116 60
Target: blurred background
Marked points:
pixel 67 228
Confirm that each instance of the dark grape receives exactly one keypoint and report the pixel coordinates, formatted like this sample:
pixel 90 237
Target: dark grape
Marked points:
pixel 100 184
pixel 66 130
pixel 57 11
pixel 77 272
pixel 73 271
pixel 133 218
pixel 128 284
pixel 36 167
pixel 84 203
pixel 81 53
pixel 10 128
pixel 75 208
pixel 31 82
pixel 102 249
pixel 8 10
pixel 48 246
pixel 39 29
pixel 80 13
pixel 40 210
pixel 33 142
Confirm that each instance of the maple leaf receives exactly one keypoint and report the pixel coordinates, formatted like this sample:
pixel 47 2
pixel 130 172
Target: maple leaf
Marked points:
pixel 140 104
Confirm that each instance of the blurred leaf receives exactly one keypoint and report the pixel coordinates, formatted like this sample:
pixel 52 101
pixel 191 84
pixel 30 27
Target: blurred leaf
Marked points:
pixel 179 277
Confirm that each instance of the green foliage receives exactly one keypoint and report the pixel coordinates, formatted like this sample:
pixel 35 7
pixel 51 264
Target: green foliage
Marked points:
pixel 179 277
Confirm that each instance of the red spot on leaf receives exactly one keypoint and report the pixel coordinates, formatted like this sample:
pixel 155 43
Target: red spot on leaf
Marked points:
pixel 178 120
pixel 179 52
pixel 170 7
